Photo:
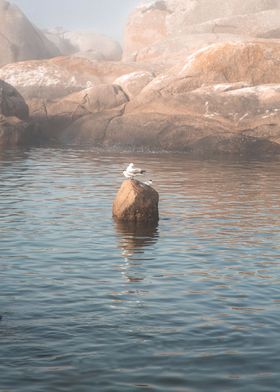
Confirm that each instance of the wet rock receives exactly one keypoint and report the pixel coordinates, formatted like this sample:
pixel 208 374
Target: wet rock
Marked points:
pixel 136 202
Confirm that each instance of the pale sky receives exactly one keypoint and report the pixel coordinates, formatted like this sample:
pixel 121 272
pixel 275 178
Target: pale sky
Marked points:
pixel 104 16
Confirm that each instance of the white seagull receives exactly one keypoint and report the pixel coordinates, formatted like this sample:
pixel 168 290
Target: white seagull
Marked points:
pixel 131 171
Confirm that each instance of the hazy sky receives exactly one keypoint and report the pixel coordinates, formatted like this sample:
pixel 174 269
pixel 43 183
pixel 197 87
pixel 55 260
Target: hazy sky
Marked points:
pixel 105 16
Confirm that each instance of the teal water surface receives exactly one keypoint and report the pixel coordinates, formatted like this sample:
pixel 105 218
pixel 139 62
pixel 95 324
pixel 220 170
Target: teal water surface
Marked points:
pixel 86 304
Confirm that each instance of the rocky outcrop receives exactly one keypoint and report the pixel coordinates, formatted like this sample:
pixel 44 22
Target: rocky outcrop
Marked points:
pixel 192 12
pixel 200 84
pixel 256 25
pixel 229 119
pixel 61 76
pixel 86 44
pixel 255 62
pixel 136 202
pixel 224 100
pixel 165 25
pixel 19 38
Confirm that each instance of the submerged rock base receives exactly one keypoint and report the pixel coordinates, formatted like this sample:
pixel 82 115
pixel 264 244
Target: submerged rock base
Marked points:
pixel 136 202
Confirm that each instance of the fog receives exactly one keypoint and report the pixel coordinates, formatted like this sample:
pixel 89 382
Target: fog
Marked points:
pixel 106 16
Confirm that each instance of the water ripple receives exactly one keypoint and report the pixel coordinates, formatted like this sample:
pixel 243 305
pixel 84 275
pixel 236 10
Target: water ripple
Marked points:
pixel 191 304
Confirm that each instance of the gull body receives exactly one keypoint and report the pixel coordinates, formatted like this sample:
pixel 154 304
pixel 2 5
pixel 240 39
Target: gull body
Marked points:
pixel 132 171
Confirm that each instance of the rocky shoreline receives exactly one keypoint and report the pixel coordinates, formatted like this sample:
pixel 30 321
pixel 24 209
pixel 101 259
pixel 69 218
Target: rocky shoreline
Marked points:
pixel 204 87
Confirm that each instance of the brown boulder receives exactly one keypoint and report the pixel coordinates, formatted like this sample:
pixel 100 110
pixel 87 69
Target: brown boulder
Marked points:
pixel 136 202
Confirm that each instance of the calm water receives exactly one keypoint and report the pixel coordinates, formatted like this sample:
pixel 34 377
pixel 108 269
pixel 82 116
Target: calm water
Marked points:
pixel 88 305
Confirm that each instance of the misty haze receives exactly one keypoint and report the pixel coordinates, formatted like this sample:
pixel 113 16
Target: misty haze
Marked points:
pixel 139 195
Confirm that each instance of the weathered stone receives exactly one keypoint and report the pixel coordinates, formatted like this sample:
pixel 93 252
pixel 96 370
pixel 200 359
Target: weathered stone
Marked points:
pixel 162 24
pixel 257 24
pixel 136 202
pixel 91 100
pixel 255 62
pixel 133 83
pixel 61 76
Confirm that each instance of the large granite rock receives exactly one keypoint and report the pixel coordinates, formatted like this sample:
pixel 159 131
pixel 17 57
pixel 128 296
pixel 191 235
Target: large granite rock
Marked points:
pixel 136 202
pixel 255 62
pixel 61 76
pixel 223 100
pixel 229 119
pixel 86 44
pixel 19 38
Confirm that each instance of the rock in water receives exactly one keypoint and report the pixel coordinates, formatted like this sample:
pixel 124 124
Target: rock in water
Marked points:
pixel 136 202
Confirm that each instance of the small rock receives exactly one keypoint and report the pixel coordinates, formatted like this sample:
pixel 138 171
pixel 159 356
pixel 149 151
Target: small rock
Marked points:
pixel 136 202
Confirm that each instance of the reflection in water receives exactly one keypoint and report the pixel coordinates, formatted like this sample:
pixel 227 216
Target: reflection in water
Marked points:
pixel 133 240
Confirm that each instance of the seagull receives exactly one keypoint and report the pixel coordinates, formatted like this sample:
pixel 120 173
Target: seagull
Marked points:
pixel 131 171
